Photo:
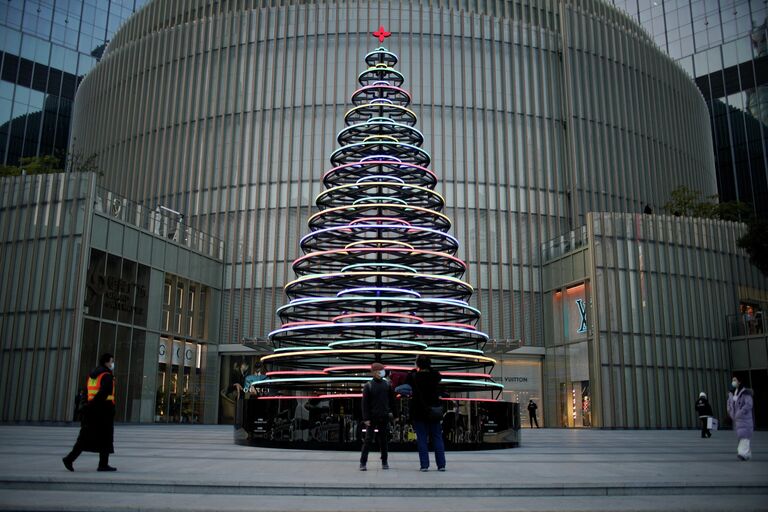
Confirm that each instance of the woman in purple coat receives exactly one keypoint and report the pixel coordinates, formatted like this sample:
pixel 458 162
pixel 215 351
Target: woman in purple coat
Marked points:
pixel 740 411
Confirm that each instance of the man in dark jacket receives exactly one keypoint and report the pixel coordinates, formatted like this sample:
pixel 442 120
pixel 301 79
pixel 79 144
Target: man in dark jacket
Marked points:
pixel 378 405
pixel 98 416
pixel 704 411
pixel 532 407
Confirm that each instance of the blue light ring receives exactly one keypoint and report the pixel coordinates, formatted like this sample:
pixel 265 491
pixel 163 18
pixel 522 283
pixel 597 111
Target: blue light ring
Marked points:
pixel 319 300
pixel 353 325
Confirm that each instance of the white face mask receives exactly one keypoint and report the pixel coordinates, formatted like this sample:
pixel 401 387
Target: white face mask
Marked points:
pixel 382 373
pixel 735 384
pixel 111 366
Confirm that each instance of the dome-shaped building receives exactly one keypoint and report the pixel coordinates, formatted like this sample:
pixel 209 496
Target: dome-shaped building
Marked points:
pixel 534 113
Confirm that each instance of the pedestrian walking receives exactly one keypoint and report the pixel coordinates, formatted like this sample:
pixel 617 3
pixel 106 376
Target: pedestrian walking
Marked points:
pixel 378 407
pixel 704 411
pixel 740 411
pixel 532 407
pixel 98 416
pixel 426 412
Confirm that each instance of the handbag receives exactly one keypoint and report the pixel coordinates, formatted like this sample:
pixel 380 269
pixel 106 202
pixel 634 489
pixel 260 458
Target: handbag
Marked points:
pixel 712 423
pixel 435 413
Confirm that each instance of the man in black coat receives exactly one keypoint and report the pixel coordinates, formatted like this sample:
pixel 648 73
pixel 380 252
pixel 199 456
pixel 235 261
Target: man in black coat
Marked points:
pixel 705 411
pixel 532 408
pixel 378 406
pixel 98 416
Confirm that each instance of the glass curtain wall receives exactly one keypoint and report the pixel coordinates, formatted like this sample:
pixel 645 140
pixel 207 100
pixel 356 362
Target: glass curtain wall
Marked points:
pixel 182 355
pixel 723 44
pixel 46 48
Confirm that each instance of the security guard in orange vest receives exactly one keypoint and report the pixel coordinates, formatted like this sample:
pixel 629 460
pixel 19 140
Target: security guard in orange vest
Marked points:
pixel 98 416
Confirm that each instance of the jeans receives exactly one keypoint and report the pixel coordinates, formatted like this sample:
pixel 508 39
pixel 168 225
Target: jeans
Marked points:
pixel 383 430
pixel 434 430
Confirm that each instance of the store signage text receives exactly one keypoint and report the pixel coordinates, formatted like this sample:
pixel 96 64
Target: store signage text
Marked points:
pixel 583 312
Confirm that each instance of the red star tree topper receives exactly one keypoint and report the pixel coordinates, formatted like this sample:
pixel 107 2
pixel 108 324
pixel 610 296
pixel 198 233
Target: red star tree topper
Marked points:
pixel 382 34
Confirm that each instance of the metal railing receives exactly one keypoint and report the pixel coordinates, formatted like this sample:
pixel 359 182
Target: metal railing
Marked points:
pixel 158 221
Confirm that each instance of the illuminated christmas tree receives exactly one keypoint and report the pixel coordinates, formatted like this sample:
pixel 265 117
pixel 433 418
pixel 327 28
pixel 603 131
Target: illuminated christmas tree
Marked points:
pixel 379 279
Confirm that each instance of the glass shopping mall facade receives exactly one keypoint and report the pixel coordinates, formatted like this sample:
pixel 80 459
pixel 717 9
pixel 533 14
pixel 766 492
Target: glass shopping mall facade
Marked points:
pixel 87 272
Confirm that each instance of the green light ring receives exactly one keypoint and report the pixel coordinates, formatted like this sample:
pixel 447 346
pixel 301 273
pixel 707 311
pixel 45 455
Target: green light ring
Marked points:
pixel 453 349
pixel 309 277
pixel 374 184
pixel 419 344
pixel 368 198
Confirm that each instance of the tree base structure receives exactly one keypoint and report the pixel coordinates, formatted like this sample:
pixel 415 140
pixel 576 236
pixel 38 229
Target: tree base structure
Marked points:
pixel 334 423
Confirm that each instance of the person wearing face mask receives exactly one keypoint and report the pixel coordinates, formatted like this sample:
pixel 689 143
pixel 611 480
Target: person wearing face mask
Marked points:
pixel 704 410
pixel 378 407
pixel 98 417
pixel 740 411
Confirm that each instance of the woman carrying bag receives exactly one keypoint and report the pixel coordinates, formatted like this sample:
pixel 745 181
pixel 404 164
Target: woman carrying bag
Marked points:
pixel 426 412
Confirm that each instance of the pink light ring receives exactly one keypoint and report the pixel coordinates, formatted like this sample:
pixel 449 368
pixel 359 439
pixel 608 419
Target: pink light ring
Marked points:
pixel 457 399
pixel 289 397
pixel 299 380
pixel 380 177
pixel 404 291
pixel 382 249
pixel 379 85
pixel 377 226
pixel 452 324
pixel 376 315
pixel 466 374
pixel 292 324
pixel 295 372
pixel 366 161
pixel 405 145
pixel 356 227
pixel 384 325
pixel 360 367
pixel 311 397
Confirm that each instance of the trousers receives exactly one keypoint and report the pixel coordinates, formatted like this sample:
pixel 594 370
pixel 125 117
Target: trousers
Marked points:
pixel 424 431
pixel 380 427
pixel 78 449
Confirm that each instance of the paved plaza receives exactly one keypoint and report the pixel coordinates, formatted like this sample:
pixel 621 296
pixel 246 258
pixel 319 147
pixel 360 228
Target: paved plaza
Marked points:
pixel 197 468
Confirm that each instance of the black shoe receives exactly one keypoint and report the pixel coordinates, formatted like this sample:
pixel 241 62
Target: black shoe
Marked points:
pixel 67 464
pixel 441 469
pixel 363 468
pixel 384 465
pixel 424 470
pixel 106 468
